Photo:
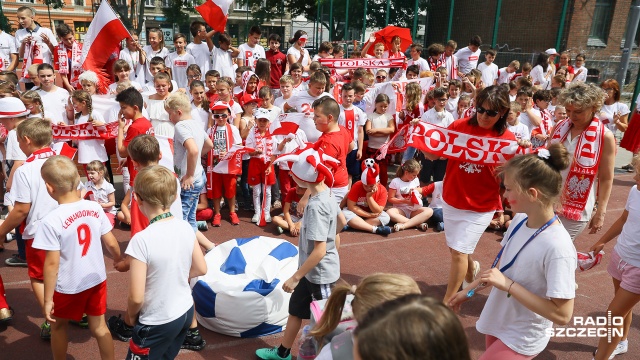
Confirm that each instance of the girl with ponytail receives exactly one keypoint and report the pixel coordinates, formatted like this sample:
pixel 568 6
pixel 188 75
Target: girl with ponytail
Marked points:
pixel 533 276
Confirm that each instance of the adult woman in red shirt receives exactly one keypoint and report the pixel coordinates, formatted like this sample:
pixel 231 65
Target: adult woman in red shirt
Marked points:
pixel 468 210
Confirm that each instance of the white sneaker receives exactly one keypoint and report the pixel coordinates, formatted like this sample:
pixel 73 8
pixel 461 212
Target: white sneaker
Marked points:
pixel 255 218
pixel 476 270
pixel 267 217
pixel 621 348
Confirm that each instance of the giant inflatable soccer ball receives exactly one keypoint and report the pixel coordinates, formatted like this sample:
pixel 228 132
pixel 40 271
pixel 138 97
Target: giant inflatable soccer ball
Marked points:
pixel 241 295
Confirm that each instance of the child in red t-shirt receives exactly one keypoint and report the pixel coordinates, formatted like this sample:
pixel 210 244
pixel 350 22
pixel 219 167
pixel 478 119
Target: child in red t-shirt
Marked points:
pixel 290 218
pixel 335 141
pixel 366 201
pixel 131 104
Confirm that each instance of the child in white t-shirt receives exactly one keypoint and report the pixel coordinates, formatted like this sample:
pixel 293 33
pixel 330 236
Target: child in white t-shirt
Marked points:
pixel 74 272
pixel 54 98
pixel 508 74
pixel 201 46
pixel 122 71
pixel 154 49
pixel 521 131
pixel 302 102
pixel 379 127
pixel 100 190
pixel 533 284
pixel 179 61
pixel 435 190
pixel 488 68
pixel 407 210
pixel 160 300
pixel 286 90
pixel 353 119
pixel 90 149
pixel 251 51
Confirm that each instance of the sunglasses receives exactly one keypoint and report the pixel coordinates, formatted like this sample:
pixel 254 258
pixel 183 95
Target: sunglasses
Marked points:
pixel 218 116
pixel 491 113
pixel 381 77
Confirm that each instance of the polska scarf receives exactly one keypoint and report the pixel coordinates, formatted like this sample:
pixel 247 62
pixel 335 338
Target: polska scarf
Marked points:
pixel 71 66
pixel 583 168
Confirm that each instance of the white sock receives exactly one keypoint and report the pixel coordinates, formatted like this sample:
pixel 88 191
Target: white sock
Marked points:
pixel 375 228
pixel 624 342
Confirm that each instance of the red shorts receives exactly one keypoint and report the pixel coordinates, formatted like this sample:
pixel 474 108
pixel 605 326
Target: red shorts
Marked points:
pixel 112 218
pixel 222 183
pixel 35 260
pixel 256 176
pixel 92 302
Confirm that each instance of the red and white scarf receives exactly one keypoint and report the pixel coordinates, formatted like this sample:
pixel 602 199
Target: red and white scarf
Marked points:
pixel 363 63
pixel 434 65
pixel 264 143
pixel 43 153
pixel 76 65
pixel 456 145
pixel 584 166
pixel 452 70
pixel 32 55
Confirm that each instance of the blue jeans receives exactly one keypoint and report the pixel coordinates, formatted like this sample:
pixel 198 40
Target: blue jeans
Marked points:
pixel 408 154
pixel 190 199
pixel 151 342
pixel 22 252
pixel 244 186
pixel 437 215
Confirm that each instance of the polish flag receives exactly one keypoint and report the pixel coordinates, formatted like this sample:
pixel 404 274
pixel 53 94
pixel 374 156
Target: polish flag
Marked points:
pixel 287 124
pixel 166 151
pixel 105 33
pixel 215 13
pixel 64 149
pixel 231 162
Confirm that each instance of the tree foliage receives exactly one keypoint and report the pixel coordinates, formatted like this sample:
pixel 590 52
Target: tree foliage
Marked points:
pixel 401 12
pixel 178 12
pixel 128 14
pixel 5 24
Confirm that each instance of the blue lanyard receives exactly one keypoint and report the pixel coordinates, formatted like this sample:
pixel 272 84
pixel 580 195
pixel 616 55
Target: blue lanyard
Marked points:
pixel 541 229
pixel 471 292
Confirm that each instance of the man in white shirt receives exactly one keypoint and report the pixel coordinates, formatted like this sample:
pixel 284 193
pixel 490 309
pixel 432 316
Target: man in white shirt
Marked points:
pixel 489 69
pixel 36 43
pixel 467 58
pixel 54 98
pixel 416 59
pixel 8 52
pixel 201 46
pixel 223 56
pixel 251 51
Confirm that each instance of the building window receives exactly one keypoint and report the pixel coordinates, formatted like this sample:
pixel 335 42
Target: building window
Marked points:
pixel 78 2
pixel 240 5
pixel 150 3
pixel 166 3
pixel 601 23
pixel 28 1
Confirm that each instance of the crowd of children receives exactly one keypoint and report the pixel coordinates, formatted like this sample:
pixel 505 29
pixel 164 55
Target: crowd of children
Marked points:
pixel 217 107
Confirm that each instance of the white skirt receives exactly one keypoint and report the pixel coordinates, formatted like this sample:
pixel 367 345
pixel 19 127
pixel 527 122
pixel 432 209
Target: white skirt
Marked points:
pixel 463 228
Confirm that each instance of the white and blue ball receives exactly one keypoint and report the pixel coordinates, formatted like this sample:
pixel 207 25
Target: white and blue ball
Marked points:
pixel 241 295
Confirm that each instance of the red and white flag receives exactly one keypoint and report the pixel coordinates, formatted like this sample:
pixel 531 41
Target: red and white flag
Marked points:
pixel 215 13
pixel 64 149
pixel 105 33
pixel 231 162
pixel 287 124
pixel 166 151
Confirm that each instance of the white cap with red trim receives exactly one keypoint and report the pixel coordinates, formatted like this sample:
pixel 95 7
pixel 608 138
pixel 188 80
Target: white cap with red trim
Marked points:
pixel 11 107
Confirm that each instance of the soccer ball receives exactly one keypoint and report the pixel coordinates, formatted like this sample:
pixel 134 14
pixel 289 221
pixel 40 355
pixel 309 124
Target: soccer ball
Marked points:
pixel 369 163
pixel 241 295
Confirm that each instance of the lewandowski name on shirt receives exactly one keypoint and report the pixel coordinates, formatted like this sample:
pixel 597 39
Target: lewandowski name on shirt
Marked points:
pixel 80 214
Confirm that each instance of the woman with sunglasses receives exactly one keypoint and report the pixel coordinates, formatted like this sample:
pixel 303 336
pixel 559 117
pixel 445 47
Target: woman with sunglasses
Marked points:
pixel 593 148
pixel 468 209
pixel 297 53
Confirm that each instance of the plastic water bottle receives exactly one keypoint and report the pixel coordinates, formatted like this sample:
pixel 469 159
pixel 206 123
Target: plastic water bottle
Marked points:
pixel 307 349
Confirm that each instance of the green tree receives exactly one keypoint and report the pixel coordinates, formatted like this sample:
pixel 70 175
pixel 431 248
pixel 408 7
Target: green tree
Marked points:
pixel 56 4
pixel 401 12
pixel 5 24
pixel 128 14
pixel 178 11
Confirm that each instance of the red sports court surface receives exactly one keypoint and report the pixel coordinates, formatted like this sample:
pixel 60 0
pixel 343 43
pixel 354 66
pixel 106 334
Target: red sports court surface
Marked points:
pixel 424 256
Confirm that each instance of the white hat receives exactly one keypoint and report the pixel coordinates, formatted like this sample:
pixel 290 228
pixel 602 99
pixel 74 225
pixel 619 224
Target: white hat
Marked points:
pixel 11 107
pixel 551 51
pixel 221 105
pixel 370 172
pixel 261 113
pixel 309 165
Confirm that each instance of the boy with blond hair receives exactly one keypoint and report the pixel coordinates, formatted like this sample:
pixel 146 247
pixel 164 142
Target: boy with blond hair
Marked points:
pixel 190 142
pixel 520 130
pixel 75 280
pixel 302 102
pixel 160 302
pixel 286 91
pixel 32 202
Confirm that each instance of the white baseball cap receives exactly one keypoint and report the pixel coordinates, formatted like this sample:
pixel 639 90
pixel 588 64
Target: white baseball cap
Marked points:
pixel 551 51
